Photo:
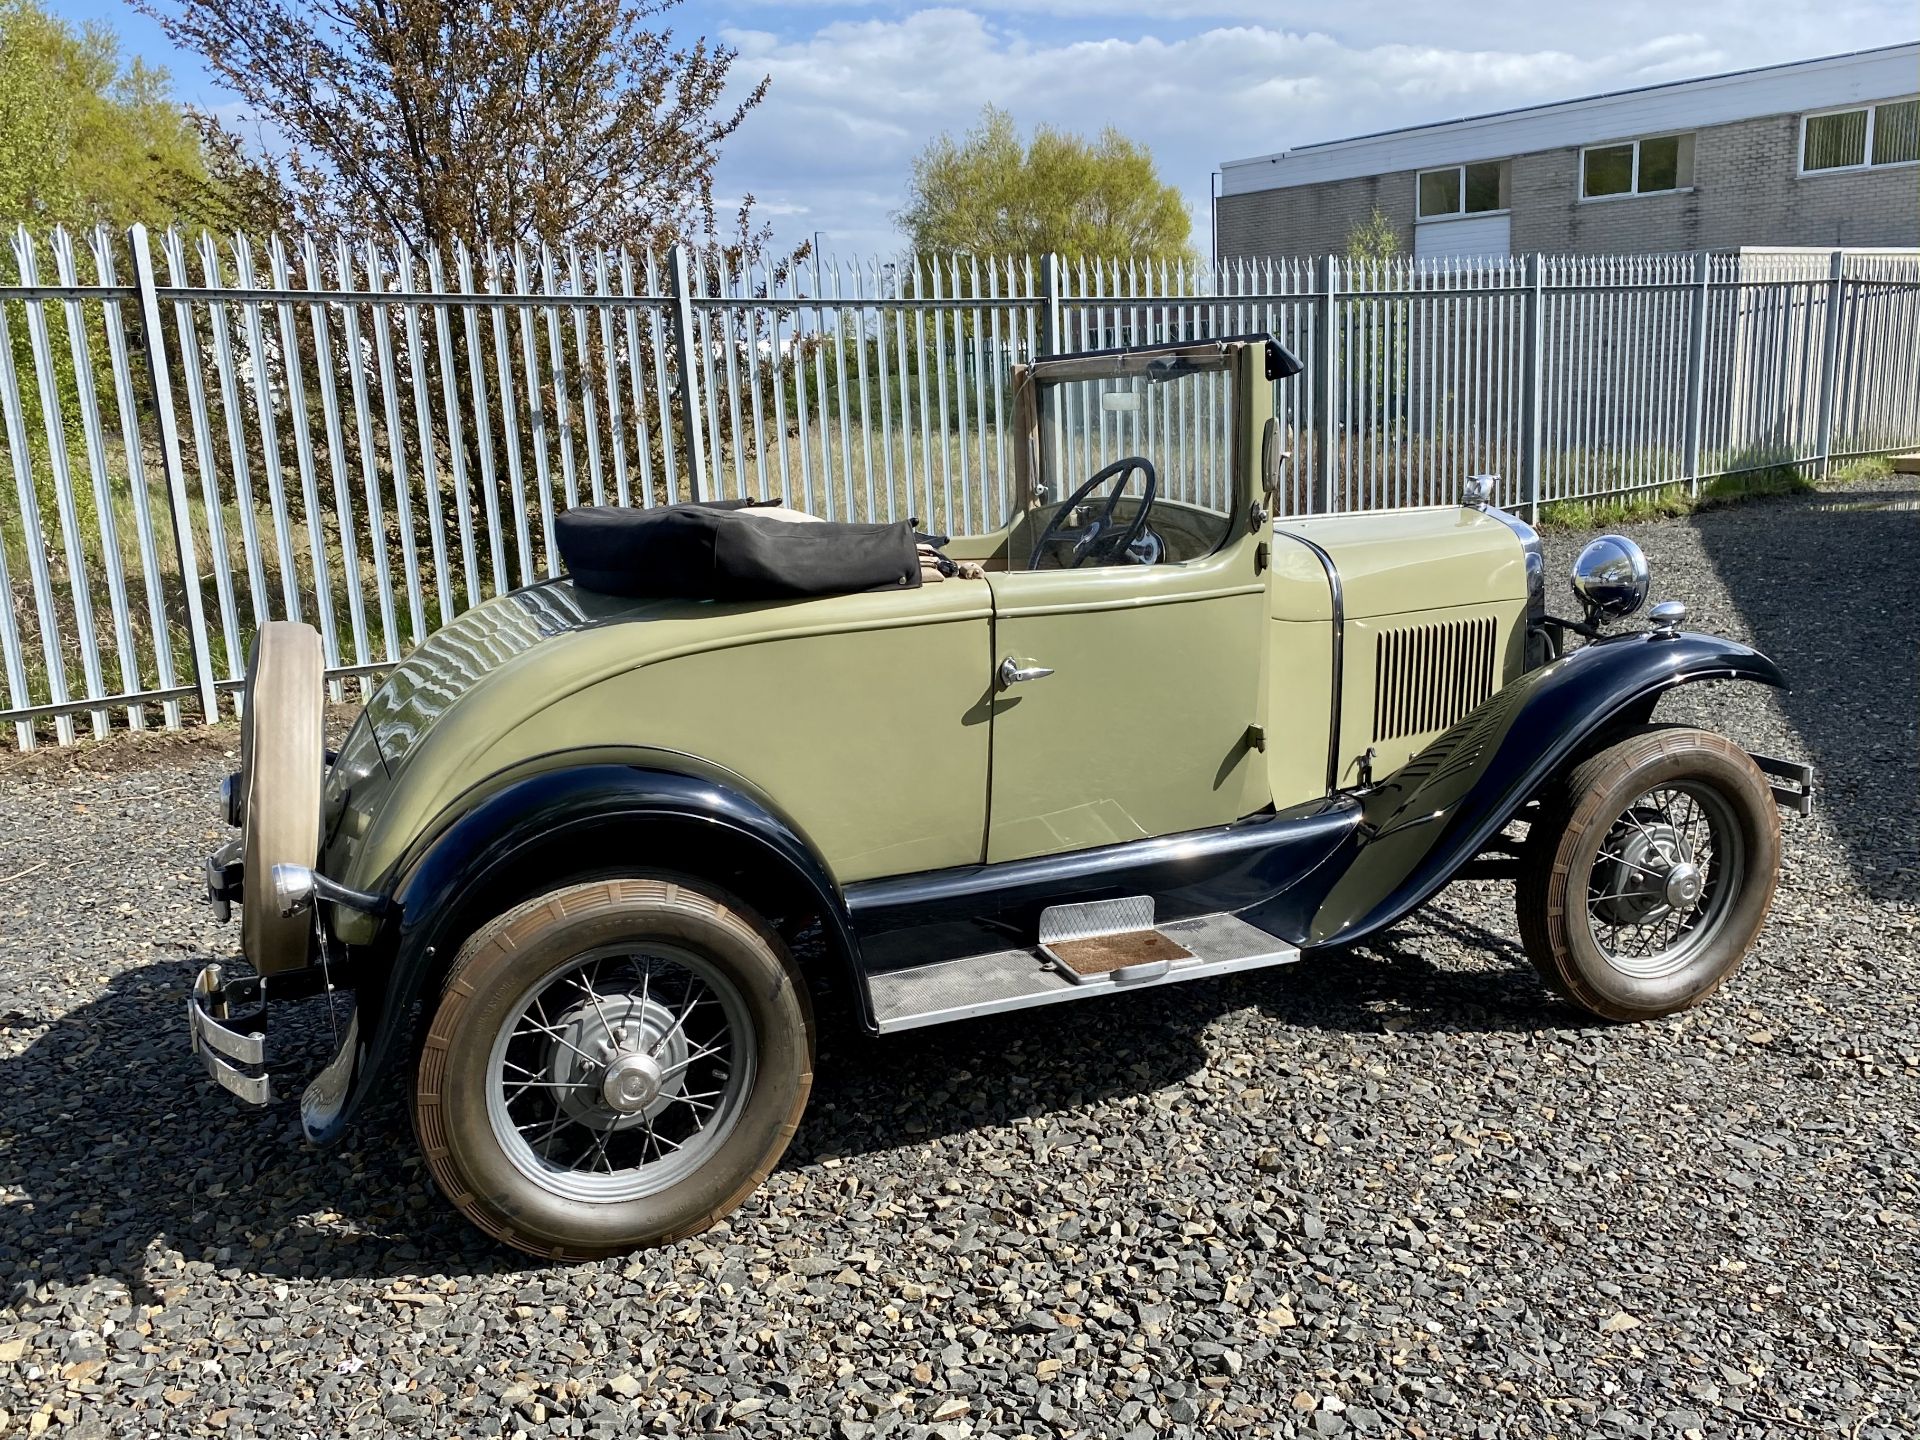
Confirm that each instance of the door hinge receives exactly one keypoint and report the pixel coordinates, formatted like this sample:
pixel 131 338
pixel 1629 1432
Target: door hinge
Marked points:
pixel 1256 737
pixel 1260 558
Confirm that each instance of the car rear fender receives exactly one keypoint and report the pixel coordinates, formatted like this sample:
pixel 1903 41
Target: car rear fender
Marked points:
pixel 526 833
pixel 1439 810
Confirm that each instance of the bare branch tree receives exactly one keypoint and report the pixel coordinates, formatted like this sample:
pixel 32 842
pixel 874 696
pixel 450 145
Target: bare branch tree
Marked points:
pixel 483 121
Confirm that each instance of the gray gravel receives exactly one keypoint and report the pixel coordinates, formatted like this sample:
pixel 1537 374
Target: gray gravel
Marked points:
pixel 1398 1191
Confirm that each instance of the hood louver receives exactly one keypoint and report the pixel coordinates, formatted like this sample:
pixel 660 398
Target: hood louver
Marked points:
pixel 1426 677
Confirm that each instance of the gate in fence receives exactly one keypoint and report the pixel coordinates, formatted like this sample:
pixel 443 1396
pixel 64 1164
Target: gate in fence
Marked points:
pixel 203 435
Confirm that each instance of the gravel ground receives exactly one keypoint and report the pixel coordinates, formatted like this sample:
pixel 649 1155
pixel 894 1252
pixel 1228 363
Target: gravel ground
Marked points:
pixel 1396 1191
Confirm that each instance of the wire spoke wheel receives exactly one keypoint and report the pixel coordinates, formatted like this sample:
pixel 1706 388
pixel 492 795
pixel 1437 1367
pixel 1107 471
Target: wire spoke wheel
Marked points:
pixel 618 1073
pixel 1663 879
pixel 1648 871
pixel 614 1063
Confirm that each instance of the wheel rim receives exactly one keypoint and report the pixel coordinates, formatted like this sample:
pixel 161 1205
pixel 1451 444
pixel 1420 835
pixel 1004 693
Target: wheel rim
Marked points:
pixel 620 1072
pixel 1664 879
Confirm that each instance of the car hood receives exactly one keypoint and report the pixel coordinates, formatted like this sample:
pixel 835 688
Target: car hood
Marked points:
pixel 1410 561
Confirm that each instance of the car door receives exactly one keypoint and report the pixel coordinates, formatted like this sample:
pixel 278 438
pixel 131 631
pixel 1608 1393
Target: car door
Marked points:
pixel 1146 720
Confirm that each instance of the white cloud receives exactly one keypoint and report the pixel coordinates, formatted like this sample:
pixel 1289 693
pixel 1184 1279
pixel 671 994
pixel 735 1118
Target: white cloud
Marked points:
pixel 853 99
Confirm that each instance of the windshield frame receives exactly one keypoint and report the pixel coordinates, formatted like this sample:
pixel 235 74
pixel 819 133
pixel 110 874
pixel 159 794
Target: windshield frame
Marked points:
pixel 1231 356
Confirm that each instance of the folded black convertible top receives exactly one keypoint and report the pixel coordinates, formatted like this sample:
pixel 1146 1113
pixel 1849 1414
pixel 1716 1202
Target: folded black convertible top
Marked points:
pixel 723 551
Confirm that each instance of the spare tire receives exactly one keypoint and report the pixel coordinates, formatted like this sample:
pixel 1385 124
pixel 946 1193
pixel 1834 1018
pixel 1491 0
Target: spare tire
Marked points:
pixel 282 760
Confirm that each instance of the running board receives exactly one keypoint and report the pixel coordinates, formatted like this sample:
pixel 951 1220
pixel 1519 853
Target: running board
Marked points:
pixel 1003 980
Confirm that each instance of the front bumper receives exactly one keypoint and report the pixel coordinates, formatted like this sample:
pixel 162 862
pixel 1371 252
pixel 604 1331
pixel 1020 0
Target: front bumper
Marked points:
pixel 1791 781
pixel 225 1023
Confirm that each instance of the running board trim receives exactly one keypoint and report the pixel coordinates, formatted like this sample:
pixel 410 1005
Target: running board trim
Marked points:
pixel 1004 980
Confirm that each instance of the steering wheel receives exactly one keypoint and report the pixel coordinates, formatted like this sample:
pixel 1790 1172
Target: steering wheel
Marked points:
pixel 1103 536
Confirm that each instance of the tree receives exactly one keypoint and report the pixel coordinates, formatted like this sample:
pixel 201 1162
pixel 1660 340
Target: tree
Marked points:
pixel 1378 365
pixel 1373 241
pixel 483 121
pixel 990 194
pixel 86 140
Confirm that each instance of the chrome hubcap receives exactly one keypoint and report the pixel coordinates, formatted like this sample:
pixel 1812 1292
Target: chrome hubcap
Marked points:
pixel 1684 885
pixel 1664 879
pixel 622 1058
pixel 620 1072
pixel 1637 865
pixel 632 1085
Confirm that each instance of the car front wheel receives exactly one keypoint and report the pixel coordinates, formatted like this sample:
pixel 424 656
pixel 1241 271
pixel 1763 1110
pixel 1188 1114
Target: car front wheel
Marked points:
pixel 1648 872
pixel 612 1065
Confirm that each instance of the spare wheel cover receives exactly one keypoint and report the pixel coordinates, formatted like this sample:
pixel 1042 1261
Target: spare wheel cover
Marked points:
pixel 283 764
pixel 246 725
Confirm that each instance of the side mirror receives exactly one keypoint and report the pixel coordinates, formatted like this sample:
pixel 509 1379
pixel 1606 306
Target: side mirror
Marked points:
pixel 1282 363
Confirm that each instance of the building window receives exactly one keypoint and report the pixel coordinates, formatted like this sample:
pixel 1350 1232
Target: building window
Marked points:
pixel 1883 134
pixel 1463 190
pixel 1655 166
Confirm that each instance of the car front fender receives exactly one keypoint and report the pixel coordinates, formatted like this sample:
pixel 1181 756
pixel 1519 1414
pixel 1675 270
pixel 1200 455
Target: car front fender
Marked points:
pixel 1439 810
pixel 542 830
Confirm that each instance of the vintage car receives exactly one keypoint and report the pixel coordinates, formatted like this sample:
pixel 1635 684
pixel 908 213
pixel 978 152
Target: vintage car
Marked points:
pixel 593 858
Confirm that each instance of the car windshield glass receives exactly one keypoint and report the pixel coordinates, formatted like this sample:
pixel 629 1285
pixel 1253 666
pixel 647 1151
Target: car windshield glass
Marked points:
pixel 1173 412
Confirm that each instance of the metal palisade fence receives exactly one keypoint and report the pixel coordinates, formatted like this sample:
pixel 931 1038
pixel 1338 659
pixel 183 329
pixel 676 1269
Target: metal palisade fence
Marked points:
pixel 205 434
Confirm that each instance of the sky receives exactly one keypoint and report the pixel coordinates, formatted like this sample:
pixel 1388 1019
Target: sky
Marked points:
pixel 858 89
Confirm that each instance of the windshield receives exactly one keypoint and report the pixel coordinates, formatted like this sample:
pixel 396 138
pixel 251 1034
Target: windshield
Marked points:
pixel 1162 424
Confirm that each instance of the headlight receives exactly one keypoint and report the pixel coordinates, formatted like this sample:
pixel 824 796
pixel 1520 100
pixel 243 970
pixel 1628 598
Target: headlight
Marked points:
pixel 1610 577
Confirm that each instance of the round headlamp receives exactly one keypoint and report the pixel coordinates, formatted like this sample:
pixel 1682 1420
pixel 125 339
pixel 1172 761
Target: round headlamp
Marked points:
pixel 1610 577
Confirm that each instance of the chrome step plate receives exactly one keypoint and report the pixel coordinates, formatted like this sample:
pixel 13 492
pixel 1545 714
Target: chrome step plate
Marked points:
pixel 1003 980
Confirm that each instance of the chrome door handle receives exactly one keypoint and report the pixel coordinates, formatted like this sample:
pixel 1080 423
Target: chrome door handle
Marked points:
pixel 1012 672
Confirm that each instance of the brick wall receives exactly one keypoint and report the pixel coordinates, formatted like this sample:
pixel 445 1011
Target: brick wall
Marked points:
pixel 1746 191
pixel 1312 219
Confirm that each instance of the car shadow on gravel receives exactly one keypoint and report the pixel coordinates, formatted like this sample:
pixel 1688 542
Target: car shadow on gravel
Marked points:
pixel 1822 582
pixel 115 1145
pixel 99 1186
pixel 874 1095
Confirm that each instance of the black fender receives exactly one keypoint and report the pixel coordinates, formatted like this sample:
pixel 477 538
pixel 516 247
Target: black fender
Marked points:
pixel 519 835
pixel 1422 823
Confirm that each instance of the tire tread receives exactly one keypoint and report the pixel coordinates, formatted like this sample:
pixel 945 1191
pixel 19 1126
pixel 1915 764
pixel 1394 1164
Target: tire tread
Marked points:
pixel 504 934
pixel 1541 895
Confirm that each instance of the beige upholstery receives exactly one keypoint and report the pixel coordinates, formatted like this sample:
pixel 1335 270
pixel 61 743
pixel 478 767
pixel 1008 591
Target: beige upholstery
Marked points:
pixel 779 512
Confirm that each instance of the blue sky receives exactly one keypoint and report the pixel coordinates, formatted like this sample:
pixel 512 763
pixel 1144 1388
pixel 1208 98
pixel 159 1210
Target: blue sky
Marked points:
pixel 859 88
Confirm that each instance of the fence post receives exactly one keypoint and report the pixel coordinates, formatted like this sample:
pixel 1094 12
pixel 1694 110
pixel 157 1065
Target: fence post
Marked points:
pixel 685 341
pixel 1830 361
pixel 1534 362
pixel 1324 417
pixel 153 342
pixel 1697 366
pixel 1050 304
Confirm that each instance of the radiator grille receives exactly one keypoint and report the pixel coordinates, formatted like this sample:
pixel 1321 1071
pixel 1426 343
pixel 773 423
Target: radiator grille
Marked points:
pixel 1428 676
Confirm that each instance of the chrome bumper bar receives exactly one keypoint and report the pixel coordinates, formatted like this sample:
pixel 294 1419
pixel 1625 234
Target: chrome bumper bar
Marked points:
pixel 225 1038
pixel 1797 793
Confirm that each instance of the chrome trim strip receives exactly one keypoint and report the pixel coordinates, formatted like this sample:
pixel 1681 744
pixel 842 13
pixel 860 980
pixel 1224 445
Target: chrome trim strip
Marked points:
pixel 1339 653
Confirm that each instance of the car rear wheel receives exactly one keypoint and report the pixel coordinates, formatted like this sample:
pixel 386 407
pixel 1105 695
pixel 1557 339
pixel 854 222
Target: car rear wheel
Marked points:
pixel 1648 873
pixel 612 1065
